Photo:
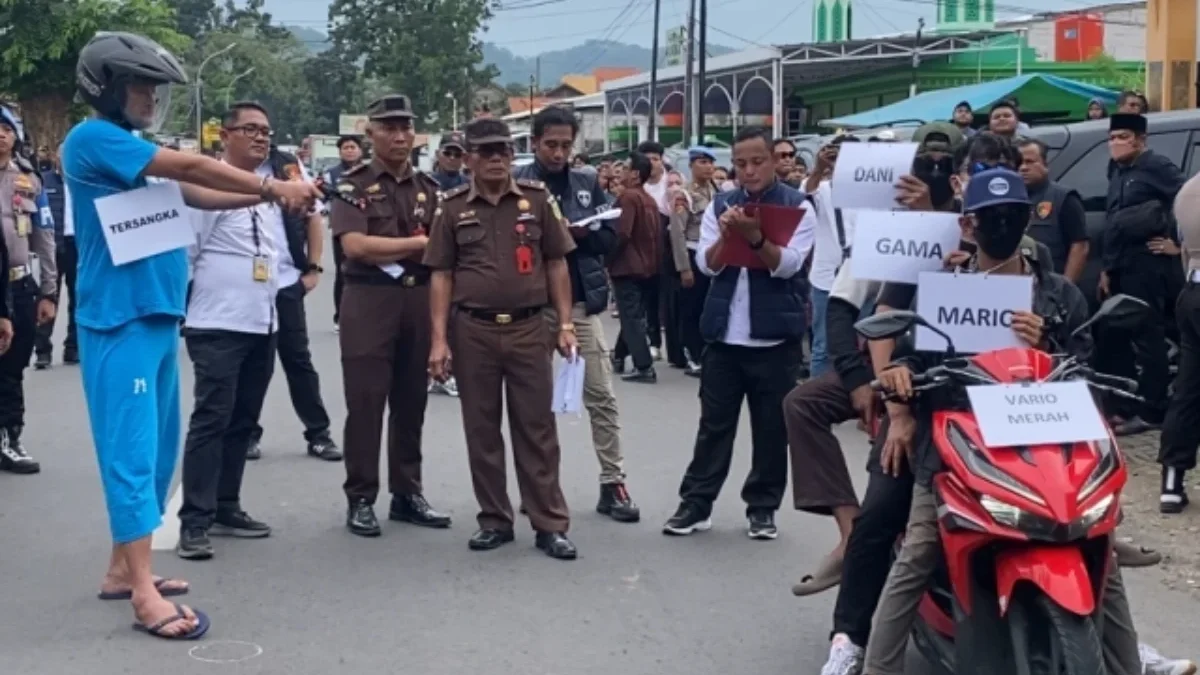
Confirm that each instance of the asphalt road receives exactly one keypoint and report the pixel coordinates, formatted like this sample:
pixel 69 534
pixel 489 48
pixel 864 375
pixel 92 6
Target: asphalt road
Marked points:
pixel 314 600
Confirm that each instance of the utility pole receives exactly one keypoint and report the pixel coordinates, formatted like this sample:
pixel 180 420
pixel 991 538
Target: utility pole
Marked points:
pixel 689 84
pixel 701 69
pixel 654 76
pixel 532 88
pixel 199 95
pixel 916 60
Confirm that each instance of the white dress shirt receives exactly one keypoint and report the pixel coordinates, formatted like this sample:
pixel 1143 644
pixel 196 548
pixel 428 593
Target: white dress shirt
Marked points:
pixel 791 260
pixel 827 253
pixel 224 293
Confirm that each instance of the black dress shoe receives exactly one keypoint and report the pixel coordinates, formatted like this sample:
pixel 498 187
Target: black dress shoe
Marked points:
pixel 616 503
pixel 42 361
pixel 361 520
pixel 488 539
pixel 556 545
pixel 644 376
pixel 254 452
pixel 414 509
pixel 71 355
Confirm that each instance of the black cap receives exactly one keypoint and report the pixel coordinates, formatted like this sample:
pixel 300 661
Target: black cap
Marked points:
pixel 392 106
pixel 1128 122
pixel 454 139
pixel 964 104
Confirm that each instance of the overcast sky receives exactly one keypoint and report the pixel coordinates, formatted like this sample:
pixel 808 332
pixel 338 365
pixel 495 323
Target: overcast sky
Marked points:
pixel 561 24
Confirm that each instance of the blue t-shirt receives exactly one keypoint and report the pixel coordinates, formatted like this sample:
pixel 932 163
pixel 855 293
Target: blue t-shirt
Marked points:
pixel 101 159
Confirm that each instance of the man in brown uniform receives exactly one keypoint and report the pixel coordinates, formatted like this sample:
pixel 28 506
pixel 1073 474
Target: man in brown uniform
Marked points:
pixel 498 248
pixel 385 319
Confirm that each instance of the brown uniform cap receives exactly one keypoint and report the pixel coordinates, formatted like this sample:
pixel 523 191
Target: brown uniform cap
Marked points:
pixel 392 106
pixel 476 141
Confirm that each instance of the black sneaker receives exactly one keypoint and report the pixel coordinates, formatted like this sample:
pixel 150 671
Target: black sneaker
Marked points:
pixel 618 365
pixel 194 544
pixel 325 449
pixel 254 452
pixel 42 361
pixel 688 518
pixel 641 375
pixel 13 457
pixel 693 370
pixel 71 356
pixel 762 525
pixel 1173 497
pixel 238 524
pixel 616 503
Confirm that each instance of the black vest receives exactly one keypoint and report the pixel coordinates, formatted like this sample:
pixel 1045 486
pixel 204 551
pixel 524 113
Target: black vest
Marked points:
pixel 1044 226
pixel 776 305
pixel 295 226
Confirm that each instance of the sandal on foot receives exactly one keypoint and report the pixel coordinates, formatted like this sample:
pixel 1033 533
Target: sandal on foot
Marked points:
pixel 202 625
pixel 828 575
pixel 161 584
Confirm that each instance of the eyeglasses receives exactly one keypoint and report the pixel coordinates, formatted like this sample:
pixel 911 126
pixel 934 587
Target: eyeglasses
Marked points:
pixel 492 150
pixel 786 155
pixel 452 153
pixel 253 131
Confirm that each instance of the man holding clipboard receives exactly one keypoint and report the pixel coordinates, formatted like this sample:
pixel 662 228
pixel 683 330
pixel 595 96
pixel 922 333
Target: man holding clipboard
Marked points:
pixel 133 277
pixel 753 243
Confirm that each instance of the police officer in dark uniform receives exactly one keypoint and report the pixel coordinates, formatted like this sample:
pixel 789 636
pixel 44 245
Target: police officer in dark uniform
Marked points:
pixel 1059 220
pixel 451 149
pixel 28 230
pixel 67 260
pixel 498 248
pixel 385 316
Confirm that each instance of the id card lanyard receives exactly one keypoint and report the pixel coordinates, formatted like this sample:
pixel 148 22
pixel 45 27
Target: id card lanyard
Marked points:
pixel 262 264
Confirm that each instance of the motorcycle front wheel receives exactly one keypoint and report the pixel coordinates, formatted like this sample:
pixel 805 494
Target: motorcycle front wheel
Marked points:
pixel 1071 646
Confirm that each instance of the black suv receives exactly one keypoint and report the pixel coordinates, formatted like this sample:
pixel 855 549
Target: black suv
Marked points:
pixel 1078 156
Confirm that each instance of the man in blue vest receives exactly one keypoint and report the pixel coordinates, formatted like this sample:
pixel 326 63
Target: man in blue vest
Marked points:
pixel 753 321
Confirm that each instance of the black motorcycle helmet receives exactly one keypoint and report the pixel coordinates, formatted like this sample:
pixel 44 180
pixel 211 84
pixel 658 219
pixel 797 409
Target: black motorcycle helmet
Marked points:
pixel 111 61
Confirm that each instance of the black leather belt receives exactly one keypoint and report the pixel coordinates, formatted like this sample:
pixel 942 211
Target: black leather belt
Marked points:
pixel 404 280
pixel 501 318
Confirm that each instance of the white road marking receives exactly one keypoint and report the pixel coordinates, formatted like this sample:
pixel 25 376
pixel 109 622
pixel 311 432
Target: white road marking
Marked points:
pixel 167 534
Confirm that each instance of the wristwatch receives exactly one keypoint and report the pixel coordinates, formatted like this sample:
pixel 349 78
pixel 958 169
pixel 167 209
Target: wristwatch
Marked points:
pixel 567 328
pixel 314 267
pixel 762 241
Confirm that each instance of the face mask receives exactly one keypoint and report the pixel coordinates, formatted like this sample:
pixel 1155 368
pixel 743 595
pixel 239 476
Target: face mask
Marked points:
pixel 998 240
pixel 936 175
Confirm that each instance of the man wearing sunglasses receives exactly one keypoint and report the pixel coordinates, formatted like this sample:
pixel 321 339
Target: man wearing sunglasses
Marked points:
pixel 498 252
pixel 449 174
pixel 787 169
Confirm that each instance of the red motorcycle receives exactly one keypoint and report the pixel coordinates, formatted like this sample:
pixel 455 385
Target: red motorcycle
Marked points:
pixel 1025 530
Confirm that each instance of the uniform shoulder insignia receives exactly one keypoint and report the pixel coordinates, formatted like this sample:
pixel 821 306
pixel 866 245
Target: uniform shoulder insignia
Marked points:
pixel 358 168
pixel 456 191
pixel 531 183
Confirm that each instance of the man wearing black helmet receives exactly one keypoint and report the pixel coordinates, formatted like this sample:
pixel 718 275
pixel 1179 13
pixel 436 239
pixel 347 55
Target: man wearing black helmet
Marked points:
pixel 128 315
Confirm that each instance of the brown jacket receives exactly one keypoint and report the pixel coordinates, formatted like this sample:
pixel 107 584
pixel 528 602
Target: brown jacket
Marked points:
pixel 639 233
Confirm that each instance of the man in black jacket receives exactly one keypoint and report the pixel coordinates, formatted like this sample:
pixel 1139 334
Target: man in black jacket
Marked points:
pixel 579 195
pixel 1141 193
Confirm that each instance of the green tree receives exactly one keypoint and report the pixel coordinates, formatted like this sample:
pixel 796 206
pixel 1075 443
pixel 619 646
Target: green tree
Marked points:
pixel 1112 74
pixel 334 83
pixel 41 44
pixel 425 49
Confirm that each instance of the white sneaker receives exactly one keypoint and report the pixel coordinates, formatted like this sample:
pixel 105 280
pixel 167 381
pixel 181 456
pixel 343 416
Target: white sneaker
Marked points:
pixel 447 388
pixel 1154 663
pixel 845 657
pixel 655 354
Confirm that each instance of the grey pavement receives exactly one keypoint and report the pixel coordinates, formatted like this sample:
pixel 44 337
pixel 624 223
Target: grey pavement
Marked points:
pixel 315 600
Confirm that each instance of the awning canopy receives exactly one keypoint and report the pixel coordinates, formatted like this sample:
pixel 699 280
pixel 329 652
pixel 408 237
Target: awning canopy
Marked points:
pixel 1040 96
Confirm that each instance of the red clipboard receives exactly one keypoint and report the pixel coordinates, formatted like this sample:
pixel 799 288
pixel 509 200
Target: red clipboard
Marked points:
pixel 778 224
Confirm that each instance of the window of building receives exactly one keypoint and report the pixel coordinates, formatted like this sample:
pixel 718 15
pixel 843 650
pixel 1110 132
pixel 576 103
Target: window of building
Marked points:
pixel 949 11
pixel 972 13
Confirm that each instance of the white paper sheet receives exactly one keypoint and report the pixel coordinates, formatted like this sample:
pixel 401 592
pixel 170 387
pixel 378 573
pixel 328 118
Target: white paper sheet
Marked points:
pixel 593 222
pixel 568 386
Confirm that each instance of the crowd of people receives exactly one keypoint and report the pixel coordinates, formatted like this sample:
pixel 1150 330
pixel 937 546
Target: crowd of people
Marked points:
pixel 465 281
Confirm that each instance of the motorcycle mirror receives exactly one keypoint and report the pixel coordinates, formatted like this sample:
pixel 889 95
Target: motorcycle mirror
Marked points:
pixel 890 324
pixel 1122 311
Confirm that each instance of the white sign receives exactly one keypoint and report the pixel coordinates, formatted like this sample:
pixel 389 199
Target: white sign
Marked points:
pixel 866 174
pixel 352 125
pixel 898 245
pixel 145 222
pixel 595 222
pixel 975 310
pixel 1046 413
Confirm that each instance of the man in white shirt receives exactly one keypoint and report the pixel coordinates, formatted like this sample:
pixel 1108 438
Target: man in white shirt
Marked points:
pixel 753 322
pixel 230 332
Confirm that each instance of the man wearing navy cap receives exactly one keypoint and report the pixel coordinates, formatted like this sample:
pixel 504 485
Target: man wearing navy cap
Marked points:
pixel 691 285
pixel 449 173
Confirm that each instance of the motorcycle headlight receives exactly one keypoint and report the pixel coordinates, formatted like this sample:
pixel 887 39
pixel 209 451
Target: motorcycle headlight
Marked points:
pixel 979 465
pixel 1093 515
pixel 1002 512
pixel 1104 468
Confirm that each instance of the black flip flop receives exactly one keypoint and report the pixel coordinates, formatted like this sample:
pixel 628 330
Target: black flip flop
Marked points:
pixel 202 625
pixel 161 585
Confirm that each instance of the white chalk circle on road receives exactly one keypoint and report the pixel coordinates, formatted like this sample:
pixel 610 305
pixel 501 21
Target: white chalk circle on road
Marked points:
pixel 225 651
